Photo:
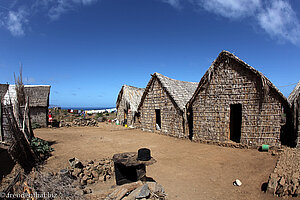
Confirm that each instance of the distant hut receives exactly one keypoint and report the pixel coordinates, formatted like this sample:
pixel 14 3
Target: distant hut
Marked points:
pixel 38 101
pixel 235 102
pixel 294 100
pixel 127 103
pixel 163 105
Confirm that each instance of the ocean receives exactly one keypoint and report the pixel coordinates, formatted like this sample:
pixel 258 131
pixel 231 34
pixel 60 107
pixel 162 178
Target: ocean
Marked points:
pixel 85 108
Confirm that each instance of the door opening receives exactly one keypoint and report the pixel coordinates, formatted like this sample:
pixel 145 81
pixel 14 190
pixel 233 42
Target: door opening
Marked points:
pixel 235 122
pixel 190 122
pixel 125 116
pixel 158 118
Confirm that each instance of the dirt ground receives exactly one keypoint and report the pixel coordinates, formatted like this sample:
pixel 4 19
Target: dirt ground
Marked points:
pixel 187 170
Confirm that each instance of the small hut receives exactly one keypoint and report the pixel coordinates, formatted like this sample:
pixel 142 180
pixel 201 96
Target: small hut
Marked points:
pixel 163 105
pixel 235 102
pixel 294 100
pixel 127 103
pixel 38 101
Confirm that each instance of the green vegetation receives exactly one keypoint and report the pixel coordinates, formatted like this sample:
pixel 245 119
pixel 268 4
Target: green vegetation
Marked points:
pixel 41 147
pixel 35 125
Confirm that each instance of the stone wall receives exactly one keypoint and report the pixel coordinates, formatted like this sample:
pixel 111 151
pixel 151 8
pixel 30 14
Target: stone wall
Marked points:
pixel 298 129
pixel 120 113
pixel 285 180
pixel 7 135
pixel 39 115
pixel 171 118
pixel 234 84
pixel 3 90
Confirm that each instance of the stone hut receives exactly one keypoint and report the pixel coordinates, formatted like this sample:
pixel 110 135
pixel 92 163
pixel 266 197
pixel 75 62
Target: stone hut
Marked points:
pixel 127 103
pixel 163 104
pixel 294 100
pixel 38 101
pixel 235 102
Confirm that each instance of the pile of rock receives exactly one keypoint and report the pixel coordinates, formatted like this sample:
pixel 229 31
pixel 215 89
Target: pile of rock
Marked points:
pixel 79 122
pixel 84 122
pixel 285 179
pixel 138 190
pixel 91 171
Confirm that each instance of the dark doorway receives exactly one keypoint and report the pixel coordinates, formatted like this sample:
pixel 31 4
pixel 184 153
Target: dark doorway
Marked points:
pixel 190 122
pixel 125 116
pixel 158 118
pixel 235 122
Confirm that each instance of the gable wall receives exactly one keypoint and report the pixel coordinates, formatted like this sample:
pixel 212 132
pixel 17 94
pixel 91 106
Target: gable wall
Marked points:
pixel 171 119
pixel 232 84
pixel 120 113
pixel 39 115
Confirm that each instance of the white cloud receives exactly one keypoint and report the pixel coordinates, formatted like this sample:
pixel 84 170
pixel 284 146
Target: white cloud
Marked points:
pixel 230 8
pixel 279 20
pixel 174 3
pixel 62 6
pixel 58 7
pixel 14 16
pixel 15 22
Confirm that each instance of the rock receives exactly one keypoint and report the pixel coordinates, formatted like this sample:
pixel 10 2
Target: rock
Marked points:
pixel 272 185
pixel 87 173
pixel 90 181
pixel 83 182
pixel 101 178
pixel 79 192
pixel 155 187
pixel 80 175
pixel 282 181
pixel 87 191
pixel 144 192
pixel 75 163
pixel 76 171
pixel 237 182
pixel 101 162
pixel 95 174
pixel 118 193
pixel 85 178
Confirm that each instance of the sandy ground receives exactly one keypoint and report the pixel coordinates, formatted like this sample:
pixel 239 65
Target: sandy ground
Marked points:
pixel 187 170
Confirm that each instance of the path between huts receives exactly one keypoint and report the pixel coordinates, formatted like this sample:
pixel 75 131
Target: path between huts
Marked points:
pixel 187 170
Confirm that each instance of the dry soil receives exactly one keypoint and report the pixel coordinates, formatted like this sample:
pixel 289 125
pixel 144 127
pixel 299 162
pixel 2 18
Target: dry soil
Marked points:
pixel 187 170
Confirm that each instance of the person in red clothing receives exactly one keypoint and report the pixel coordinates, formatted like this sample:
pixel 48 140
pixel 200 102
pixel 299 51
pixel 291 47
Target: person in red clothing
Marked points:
pixel 50 120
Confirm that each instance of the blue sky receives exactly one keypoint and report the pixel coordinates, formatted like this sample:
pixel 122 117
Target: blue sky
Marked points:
pixel 87 49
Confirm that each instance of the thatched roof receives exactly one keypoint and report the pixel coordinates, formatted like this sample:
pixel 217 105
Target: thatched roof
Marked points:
pixel 3 90
pixel 38 95
pixel 131 96
pixel 295 94
pixel 226 57
pixel 179 91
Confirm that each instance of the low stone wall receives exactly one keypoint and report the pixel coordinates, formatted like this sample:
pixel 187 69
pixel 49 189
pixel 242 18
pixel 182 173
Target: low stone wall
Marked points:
pixel 285 179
